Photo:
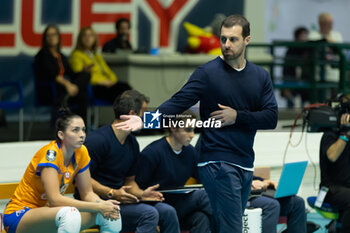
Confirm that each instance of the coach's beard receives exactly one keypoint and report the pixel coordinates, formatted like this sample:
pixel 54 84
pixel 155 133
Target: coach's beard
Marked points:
pixel 234 56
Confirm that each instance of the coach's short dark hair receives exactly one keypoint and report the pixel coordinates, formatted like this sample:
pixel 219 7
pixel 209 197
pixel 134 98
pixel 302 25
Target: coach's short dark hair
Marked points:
pixel 129 100
pixel 240 20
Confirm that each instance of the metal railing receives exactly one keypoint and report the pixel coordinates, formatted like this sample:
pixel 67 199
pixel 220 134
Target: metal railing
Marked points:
pixel 315 63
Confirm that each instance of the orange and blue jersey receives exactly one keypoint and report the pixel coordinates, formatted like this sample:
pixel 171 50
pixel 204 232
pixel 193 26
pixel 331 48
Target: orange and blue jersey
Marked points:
pixel 30 192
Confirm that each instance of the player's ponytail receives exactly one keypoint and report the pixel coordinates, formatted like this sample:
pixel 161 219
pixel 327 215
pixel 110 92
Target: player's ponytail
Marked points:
pixel 64 116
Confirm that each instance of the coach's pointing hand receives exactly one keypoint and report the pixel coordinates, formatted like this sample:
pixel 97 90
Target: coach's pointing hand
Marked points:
pixel 226 115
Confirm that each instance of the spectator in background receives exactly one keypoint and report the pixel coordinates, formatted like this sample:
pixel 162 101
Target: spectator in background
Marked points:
pixel 300 35
pixel 86 58
pixel 121 41
pixel 296 72
pixel 52 66
pixel 327 34
pixel 325 22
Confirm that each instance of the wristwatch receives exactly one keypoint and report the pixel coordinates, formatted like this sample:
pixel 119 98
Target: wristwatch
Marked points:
pixel 110 194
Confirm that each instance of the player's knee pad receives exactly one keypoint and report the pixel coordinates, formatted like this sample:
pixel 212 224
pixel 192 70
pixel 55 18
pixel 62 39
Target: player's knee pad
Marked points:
pixel 68 220
pixel 108 226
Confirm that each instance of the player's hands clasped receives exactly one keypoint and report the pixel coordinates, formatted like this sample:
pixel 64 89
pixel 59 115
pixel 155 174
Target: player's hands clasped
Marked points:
pixel 110 209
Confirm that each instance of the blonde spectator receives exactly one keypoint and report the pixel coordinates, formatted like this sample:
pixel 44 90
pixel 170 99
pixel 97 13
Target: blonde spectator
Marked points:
pixel 325 22
pixel 85 58
pixel 327 34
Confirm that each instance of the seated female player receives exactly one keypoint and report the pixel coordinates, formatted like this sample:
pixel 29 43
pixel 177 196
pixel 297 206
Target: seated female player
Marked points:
pixel 170 162
pixel 38 204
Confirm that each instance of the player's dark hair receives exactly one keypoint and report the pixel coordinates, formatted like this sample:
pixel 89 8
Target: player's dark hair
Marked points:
pixel 120 21
pixel 44 43
pixel 127 101
pixel 240 20
pixel 64 117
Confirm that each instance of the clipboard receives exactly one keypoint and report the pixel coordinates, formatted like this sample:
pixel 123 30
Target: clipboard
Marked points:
pixel 183 189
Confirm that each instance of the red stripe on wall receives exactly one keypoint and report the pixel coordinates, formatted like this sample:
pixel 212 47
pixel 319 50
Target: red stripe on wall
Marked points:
pixel 7 39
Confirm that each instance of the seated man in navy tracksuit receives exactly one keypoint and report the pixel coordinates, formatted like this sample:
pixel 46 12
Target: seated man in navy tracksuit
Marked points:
pixel 114 154
pixel 170 162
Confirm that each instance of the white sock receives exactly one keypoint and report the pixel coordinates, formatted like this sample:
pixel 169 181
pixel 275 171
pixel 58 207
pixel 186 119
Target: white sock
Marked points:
pixel 68 220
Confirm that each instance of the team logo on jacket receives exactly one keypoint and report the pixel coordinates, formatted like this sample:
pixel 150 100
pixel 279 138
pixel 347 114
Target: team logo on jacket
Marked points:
pixel 67 175
pixel 51 155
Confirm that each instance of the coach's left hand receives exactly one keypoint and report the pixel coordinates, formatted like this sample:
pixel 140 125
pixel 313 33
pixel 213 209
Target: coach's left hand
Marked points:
pixel 226 115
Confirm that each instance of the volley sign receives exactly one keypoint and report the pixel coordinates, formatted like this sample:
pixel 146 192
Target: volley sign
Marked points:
pixel 24 25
